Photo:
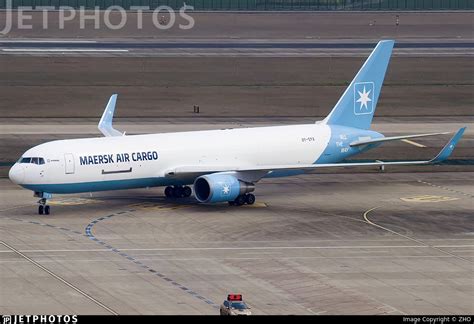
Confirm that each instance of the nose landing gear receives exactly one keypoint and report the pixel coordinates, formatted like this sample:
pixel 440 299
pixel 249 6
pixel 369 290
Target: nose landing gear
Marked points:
pixel 43 208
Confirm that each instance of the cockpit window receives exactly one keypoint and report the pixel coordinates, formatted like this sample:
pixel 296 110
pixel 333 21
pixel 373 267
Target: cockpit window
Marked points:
pixel 34 160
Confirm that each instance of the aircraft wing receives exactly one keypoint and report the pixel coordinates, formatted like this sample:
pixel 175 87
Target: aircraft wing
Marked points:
pixel 261 170
pixel 392 138
pixel 105 123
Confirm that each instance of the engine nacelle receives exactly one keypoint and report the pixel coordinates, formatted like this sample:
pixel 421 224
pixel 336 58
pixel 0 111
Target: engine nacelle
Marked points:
pixel 214 188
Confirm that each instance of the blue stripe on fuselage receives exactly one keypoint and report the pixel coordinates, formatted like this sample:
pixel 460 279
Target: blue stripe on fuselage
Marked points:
pixel 101 185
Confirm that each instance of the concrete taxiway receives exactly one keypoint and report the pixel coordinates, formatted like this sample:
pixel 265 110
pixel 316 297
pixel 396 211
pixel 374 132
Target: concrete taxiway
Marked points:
pixel 319 244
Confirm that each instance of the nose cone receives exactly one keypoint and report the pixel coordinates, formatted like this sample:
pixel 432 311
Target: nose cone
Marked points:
pixel 17 174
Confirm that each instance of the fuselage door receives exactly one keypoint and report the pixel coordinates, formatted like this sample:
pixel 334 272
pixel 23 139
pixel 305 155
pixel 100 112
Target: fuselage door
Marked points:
pixel 69 160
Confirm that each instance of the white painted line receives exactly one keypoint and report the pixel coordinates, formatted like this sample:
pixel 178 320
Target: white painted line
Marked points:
pixel 254 248
pixel 13 41
pixel 60 279
pixel 258 253
pixel 265 257
pixel 61 50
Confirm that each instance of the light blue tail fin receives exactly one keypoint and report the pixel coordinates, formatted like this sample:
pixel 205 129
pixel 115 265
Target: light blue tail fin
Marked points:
pixel 357 105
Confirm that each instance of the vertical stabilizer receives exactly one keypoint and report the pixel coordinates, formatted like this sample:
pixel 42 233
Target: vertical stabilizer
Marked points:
pixel 357 105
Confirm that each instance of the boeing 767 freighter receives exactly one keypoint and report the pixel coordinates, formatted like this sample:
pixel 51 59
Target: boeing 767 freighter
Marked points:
pixel 222 165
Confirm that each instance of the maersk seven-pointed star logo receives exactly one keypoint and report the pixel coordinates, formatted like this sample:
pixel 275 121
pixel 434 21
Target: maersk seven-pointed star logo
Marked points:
pixel 225 189
pixel 363 98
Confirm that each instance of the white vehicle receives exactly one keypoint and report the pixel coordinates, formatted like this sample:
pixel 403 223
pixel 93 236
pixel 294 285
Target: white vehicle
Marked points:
pixel 234 305
pixel 223 165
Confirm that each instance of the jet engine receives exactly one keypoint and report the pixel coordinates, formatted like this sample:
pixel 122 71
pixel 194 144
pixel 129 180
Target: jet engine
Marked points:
pixel 214 188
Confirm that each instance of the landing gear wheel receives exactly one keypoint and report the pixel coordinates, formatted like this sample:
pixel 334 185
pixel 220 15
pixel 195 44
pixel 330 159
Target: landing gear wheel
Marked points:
pixel 187 191
pixel 178 192
pixel 43 208
pixel 240 200
pixel 231 203
pixel 169 192
pixel 250 199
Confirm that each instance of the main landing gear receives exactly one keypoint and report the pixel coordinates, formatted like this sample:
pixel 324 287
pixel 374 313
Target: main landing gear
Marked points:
pixel 248 199
pixel 178 191
pixel 43 208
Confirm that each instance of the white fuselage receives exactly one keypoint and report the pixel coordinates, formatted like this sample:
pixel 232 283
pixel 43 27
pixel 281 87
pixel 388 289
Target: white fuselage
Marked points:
pixel 106 163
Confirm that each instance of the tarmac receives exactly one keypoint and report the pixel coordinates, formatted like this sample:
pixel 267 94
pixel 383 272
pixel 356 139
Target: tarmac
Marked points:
pixel 230 48
pixel 320 244
pixel 225 87
pixel 327 25
pixel 352 241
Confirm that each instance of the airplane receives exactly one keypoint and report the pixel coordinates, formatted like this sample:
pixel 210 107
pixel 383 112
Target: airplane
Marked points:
pixel 222 165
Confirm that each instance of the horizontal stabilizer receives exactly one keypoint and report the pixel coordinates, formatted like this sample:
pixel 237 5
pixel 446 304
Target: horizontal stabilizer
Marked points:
pixel 393 138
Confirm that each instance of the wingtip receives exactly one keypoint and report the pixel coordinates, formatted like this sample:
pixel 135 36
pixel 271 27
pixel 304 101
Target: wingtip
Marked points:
pixel 455 139
pixel 113 98
pixel 458 135
pixel 449 147
pixel 387 41
pixel 105 123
